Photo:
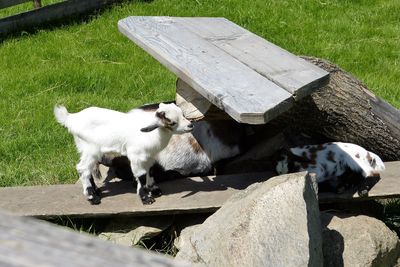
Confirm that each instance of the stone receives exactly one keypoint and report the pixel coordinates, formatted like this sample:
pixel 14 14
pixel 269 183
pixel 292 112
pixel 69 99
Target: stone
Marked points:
pixel 183 240
pixel 358 241
pixel 130 231
pixel 274 223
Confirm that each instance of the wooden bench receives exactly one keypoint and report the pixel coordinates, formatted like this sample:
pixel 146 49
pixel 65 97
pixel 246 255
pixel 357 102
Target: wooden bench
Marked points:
pixel 242 74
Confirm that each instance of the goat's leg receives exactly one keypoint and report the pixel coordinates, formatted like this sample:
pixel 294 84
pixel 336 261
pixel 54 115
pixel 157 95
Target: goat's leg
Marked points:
pixel 140 173
pixel 84 168
pixel 95 175
pixel 155 191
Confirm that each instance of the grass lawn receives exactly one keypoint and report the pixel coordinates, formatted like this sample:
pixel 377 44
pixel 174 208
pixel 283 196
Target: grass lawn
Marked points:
pixel 91 63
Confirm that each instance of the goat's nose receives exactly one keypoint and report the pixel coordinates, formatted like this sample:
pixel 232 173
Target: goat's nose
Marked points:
pixel 190 126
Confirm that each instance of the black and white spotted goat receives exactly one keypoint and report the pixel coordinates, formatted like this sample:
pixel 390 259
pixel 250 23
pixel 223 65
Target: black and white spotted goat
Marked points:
pixel 139 135
pixel 333 163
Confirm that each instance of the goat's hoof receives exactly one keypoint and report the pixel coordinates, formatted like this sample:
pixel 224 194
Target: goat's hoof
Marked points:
pixel 93 195
pixel 363 192
pixel 94 199
pixel 97 192
pixel 155 191
pixel 148 200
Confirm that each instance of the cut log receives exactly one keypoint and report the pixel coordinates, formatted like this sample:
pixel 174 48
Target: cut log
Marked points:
pixel 345 110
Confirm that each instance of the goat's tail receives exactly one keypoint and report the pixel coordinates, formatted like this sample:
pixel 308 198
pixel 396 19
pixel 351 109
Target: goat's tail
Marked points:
pixel 61 114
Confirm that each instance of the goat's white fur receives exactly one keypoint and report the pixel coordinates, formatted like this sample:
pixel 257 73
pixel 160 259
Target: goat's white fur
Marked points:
pixel 331 160
pixel 182 154
pixel 98 131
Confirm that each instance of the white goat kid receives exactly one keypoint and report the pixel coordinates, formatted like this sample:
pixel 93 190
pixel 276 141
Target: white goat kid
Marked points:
pixel 139 135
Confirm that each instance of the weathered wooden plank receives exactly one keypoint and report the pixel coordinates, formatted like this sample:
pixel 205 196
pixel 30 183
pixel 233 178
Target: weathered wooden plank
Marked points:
pixel 192 195
pixel 50 13
pixel 292 73
pixel 28 242
pixel 8 3
pixel 229 84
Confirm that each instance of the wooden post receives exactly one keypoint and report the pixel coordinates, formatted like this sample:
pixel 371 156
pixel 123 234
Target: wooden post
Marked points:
pixel 37 4
pixel 194 106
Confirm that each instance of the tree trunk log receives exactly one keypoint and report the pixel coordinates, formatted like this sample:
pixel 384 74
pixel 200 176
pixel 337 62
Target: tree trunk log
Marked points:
pixel 345 110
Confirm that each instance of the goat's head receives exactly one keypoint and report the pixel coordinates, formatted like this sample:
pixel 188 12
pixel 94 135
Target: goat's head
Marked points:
pixel 375 162
pixel 170 117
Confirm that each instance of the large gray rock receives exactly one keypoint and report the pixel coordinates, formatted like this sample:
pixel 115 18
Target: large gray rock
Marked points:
pixel 358 241
pixel 274 223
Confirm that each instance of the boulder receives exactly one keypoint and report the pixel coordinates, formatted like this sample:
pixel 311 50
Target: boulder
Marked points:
pixel 274 223
pixel 130 231
pixel 358 241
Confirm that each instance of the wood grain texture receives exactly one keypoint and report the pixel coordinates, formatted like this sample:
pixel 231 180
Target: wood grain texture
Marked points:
pixel 28 242
pixel 290 72
pixel 226 82
pixel 8 3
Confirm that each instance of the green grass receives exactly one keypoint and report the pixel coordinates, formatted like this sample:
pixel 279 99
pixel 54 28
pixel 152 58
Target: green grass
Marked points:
pixel 91 63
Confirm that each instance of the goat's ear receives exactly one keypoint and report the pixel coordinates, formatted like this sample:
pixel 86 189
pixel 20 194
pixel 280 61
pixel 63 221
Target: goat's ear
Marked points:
pixel 150 128
pixel 160 114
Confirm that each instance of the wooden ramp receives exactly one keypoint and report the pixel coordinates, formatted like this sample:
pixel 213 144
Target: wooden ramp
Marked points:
pixel 248 77
pixel 191 195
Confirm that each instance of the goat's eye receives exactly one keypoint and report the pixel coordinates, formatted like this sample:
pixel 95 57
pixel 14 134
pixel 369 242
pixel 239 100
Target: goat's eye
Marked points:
pixel 172 124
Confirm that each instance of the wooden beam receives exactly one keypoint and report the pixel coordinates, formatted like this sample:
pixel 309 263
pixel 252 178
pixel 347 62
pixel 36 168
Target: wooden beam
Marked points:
pixel 30 243
pixel 50 13
pixel 195 106
pixel 190 195
pixel 8 3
